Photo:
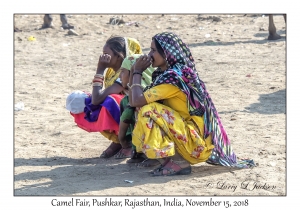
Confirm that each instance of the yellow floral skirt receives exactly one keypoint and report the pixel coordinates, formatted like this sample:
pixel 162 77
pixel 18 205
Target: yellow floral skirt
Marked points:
pixel 160 131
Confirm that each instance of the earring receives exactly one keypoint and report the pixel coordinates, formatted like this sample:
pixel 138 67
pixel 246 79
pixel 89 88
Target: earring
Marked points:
pixel 167 64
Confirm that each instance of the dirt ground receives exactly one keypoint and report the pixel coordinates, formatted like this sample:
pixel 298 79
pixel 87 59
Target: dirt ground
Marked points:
pixel 244 73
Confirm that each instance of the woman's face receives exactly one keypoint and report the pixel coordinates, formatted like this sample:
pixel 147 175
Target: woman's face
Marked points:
pixel 157 59
pixel 114 58
pixel 124 76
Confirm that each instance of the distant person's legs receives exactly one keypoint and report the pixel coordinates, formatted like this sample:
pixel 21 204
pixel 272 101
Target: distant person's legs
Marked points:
pixel 47 21
pixel 64 21
pixel 63 18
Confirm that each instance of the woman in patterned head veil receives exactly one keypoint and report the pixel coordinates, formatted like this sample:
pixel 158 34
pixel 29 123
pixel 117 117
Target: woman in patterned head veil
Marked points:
pixel 178 121
pixel 102 110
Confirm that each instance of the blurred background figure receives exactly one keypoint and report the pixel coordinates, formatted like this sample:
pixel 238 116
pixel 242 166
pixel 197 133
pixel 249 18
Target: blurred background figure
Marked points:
pixel 63 18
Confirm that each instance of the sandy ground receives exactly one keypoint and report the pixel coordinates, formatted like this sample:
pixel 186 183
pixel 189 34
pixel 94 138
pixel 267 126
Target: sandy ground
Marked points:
pixel 245 75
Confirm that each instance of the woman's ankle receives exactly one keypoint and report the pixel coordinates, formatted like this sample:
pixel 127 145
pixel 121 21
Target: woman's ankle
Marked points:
pixel 180 161
pixel 125 144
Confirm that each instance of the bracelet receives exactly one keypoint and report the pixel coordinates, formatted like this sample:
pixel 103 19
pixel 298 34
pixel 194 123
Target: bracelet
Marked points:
pixel 97 84
pixel 137 73
pixel 97 80
pixel 128 85
pixel 136 85
pixel 99 76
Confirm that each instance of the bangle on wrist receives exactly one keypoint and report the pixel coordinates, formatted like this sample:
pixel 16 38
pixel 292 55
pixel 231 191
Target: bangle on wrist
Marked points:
pixel 97 80
pixel 97 84
pixel 99 76
pixel 138 85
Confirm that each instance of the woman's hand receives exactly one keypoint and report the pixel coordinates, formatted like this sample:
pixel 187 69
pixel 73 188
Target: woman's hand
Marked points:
pixel 103 62
pixel 142 63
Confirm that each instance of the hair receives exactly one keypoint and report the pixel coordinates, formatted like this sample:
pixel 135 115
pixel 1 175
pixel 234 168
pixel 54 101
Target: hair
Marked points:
pixel 159 48
pixel 118 45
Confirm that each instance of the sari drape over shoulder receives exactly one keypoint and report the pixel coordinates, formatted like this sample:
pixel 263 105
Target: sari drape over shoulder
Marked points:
pixel 202 121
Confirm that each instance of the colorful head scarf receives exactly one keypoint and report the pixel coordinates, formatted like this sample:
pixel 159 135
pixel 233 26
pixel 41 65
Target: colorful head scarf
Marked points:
pixel 182 73
pixel 132 47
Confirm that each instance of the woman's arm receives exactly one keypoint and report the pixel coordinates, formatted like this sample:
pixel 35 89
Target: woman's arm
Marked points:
pixel 98 96
pixel 130 83
pixel 136 94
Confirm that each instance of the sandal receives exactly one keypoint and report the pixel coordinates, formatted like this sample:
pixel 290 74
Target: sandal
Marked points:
pixel 149 163
pixel 211 162
pixel 171 169
pixel 161 166
pixel 113 149
pixel 121 154
pixel 136 157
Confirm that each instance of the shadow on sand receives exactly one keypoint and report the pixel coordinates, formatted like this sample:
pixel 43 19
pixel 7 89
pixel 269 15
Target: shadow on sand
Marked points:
pixel 95 174
pixel 271 103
